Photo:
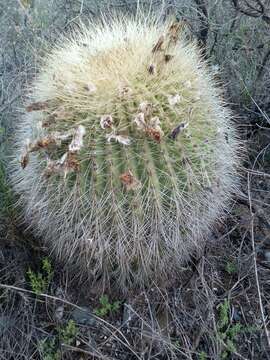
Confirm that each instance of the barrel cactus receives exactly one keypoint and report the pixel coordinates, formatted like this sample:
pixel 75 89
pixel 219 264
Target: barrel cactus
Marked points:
pixel 127 152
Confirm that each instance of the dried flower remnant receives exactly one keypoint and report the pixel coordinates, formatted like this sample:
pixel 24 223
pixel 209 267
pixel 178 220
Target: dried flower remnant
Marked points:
pixel 174 31
pixel 174 99
pixel 154 130
pixel 62 136
pixel 71 88
pixel 158 45
pixel 54 138
pixel 90 88
pixel 43 143
pixel 188 84
pixel 151 128
pixel 68 163
pixel 168 57
pixel 152 69
pixel 106 121
pixel 122 139
pixel 59 114
pixel 48 121
pixel 154 134
pixel 176 131
pixel 154 123
pixel 124 91
pixel 24 160
pixel 72 162
pixel 161 51
pixel 165 41
pixel 129 181
pixel 55 166
pixel 140 121
pixel 77 141
pixel 146 108
pixel 39 105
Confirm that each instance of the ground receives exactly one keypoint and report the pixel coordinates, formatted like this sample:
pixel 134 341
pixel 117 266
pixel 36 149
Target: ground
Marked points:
pixel 220 307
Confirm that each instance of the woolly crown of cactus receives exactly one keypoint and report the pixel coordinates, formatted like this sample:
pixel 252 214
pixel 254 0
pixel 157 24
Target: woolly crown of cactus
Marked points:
pixel 127 151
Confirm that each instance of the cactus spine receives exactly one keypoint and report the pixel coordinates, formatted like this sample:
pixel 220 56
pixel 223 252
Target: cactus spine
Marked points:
pixel 127 152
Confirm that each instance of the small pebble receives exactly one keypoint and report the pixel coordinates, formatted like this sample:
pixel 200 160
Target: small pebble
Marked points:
pixel 267 255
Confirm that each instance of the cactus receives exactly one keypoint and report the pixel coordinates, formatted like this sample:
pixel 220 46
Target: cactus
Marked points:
pixel 128 152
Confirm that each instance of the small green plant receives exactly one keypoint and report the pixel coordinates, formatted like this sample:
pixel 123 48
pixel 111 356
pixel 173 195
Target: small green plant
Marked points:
pixel 106 307
pixel 227 332
pixel 40 282
pixel 68 333
pixel 177 343
pixel 50 348
pixel 224 314
pixel 202 355
pixel 231 267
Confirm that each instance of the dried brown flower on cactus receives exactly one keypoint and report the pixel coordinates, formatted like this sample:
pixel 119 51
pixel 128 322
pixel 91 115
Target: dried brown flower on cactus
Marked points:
pixel 158 45
pixel 37 106
pixel 178 129
pixel 146 108
pixel 77 141
pixel 152 69
pixel 129 181
pixel 174 99
pixel 68 163
pixel 106 121
pixel 122 139
pixel 90 88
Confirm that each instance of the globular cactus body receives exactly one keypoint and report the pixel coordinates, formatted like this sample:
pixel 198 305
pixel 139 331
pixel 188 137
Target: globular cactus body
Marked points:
pixel 127 152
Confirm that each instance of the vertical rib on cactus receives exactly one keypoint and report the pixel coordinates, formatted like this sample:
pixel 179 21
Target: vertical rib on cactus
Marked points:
pixel 131 153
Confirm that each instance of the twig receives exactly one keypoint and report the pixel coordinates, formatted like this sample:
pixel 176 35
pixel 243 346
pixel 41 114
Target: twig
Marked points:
pixel 9 103
pixel 94 354
pixel 255 265
pixel 81 8
pixel 252 11
pixel 263 65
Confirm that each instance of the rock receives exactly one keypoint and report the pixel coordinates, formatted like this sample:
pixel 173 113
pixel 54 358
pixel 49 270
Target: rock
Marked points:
pixel 267 255
pixel 127 314
pixel 84 316
pixel 59 312
pixel 5 323
pixel 236 314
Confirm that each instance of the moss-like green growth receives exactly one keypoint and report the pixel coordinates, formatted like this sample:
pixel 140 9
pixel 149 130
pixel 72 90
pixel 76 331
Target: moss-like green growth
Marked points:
pixel 106 307
pixel 127 151
pixel 40 281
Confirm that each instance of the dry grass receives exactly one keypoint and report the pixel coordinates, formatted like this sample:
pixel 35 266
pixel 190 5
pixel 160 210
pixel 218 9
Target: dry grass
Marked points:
pixel 226 289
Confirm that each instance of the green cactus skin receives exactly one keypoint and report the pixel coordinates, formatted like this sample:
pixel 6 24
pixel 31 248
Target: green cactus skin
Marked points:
pixel 155 152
